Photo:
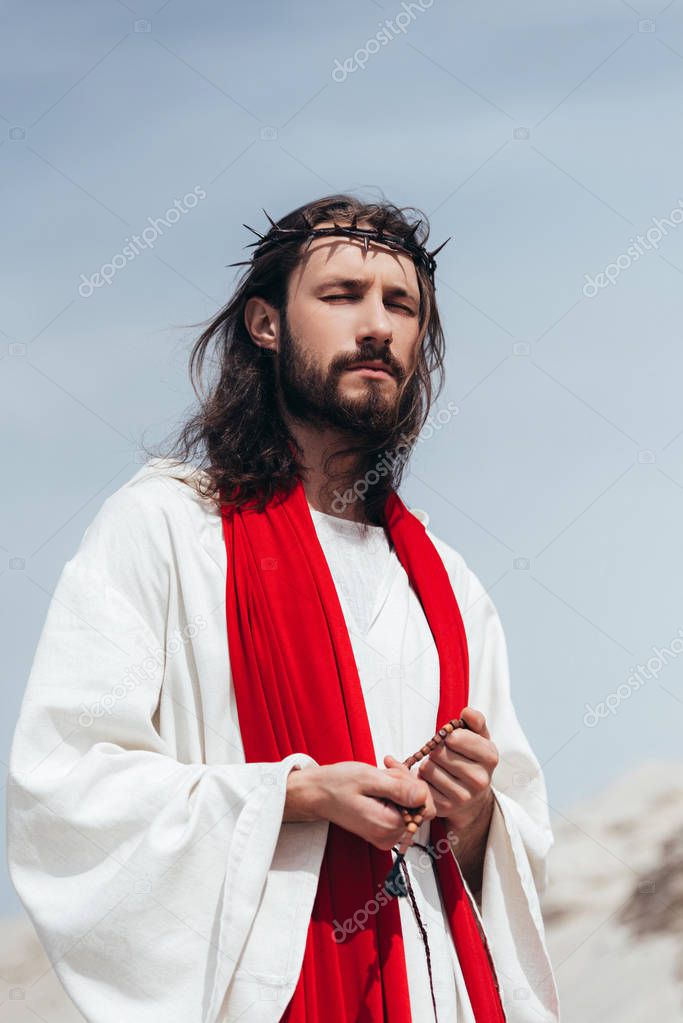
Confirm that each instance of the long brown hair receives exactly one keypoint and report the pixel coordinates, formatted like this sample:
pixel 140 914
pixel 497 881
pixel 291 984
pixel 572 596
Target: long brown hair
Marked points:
pixel 238 437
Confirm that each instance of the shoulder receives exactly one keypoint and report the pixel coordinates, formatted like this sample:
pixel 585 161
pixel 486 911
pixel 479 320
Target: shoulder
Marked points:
pixel 160 492
pixel 137 529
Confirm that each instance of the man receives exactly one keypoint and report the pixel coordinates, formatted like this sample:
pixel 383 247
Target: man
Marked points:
pixel 207 776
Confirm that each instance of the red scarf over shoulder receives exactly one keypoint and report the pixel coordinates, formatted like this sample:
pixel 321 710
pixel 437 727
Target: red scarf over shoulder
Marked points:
pixel 297 691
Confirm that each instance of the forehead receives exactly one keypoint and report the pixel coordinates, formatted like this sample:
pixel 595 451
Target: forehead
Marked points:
pixel 339 254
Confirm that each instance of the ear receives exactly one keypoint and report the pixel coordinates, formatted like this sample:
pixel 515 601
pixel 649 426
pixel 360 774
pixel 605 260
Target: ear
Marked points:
pixel 262 320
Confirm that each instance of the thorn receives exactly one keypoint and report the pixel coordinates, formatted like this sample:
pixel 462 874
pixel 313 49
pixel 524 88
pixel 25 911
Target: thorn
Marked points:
pixel 434 252
pixel 253 231
pixel 273 224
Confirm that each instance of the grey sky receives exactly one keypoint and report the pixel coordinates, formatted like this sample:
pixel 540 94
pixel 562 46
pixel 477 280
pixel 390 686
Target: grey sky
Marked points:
pixel 543 139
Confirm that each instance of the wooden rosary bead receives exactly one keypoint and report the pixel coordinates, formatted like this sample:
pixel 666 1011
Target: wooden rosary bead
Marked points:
pixel 436 740
pixel 413 816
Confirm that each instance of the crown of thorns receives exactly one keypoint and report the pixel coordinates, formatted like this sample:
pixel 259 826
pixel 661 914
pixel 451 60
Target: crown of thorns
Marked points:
pixel 277 235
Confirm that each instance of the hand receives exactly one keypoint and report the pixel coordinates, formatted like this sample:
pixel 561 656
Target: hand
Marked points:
pixel 459 771
pixel 351 795
pixel 398 770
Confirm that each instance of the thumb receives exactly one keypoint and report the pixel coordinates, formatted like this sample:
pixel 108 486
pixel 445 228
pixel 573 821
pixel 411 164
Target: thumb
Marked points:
pixel 406 790
pixel 413 791
pixel 392 764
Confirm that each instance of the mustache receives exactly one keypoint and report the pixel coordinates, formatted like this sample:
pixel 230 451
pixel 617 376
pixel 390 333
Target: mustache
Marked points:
pixel 383 356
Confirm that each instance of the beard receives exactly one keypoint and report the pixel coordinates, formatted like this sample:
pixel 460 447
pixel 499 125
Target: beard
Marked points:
pixel 311 394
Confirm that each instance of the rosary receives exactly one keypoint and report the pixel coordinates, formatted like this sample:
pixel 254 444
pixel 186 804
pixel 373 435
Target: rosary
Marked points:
pixel 398 882
pixel 412 815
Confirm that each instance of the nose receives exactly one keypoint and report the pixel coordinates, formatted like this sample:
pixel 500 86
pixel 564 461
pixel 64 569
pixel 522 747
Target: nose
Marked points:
pixel 374 323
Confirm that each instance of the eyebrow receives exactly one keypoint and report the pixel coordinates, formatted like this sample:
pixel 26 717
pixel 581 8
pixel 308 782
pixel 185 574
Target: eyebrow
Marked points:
pixel 360 284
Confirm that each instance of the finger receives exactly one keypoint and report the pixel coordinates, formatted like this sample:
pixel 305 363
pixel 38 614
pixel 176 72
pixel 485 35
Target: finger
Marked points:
pixel 430 812
pixel 444 783
pixel 406 791
pixel 443 805
pixel 483 755
pixel 390 761
pixel 474 777
pixel 385 815
pixel 474 747
pixel 475 720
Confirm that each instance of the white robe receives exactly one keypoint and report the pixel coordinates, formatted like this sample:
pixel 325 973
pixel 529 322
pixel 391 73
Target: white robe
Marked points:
pixel 154 862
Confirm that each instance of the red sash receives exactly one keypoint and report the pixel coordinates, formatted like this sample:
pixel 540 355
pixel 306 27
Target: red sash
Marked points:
pixel 297 691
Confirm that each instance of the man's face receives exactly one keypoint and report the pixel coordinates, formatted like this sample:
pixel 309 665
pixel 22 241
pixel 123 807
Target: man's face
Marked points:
pixel 343 303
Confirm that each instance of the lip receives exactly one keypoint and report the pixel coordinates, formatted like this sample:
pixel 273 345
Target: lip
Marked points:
pixel 373 371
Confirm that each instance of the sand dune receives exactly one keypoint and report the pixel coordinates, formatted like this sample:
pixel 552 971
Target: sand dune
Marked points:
pixel 614 905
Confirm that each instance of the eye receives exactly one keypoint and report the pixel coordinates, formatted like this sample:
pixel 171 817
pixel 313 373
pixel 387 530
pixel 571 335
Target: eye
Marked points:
pixel 394 305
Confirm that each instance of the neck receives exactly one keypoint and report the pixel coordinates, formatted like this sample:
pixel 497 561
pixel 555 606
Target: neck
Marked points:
pixel 317 444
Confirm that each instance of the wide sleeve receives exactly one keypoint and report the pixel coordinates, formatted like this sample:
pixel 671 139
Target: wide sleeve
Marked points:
pixel 143 875
pixel 520 835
